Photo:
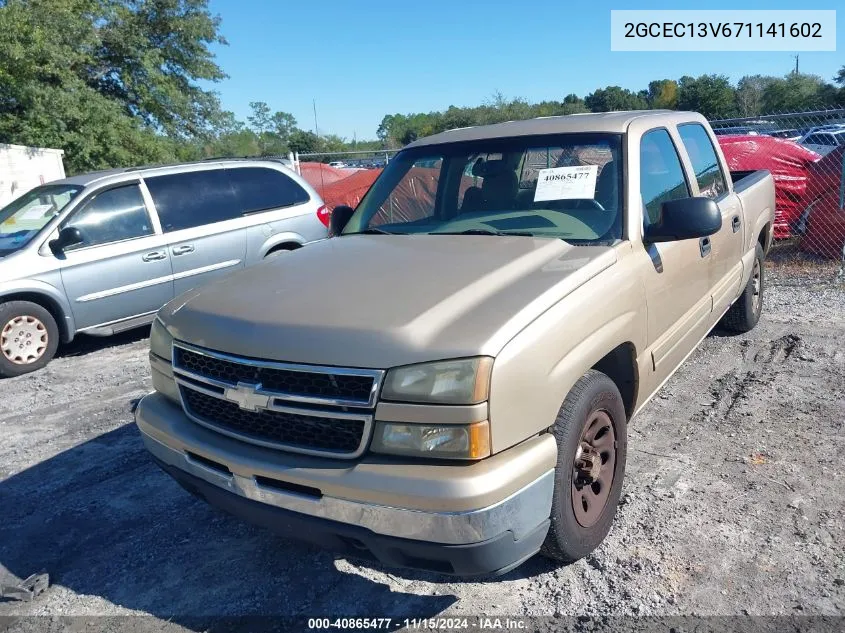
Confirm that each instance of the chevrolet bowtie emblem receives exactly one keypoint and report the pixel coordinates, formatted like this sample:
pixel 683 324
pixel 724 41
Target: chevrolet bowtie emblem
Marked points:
pixel 246 395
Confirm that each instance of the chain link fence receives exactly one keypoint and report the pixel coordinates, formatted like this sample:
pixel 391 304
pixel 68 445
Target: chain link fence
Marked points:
pixel 805 151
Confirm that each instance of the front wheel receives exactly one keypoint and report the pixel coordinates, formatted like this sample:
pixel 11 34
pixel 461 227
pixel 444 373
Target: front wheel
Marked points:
pixel 29 337
pixel 591 434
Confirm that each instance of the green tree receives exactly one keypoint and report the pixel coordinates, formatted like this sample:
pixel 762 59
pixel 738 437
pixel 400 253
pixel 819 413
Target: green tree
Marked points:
pixel 304 142
pixel 796 92
pixel 749 94
pixel 662 94
pixel 711 95
pixel 112 82
pixel 614 98
pixel 840 77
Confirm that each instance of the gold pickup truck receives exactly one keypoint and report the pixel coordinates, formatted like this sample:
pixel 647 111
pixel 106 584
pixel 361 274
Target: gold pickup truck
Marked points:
pixel 445 383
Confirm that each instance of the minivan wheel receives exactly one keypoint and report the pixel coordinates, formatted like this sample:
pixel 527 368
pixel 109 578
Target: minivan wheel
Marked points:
pixel 591 434
pixel 29 337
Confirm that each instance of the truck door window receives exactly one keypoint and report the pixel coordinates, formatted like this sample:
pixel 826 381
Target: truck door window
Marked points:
pixel 661 174
pixel 111 216
pixel 705 163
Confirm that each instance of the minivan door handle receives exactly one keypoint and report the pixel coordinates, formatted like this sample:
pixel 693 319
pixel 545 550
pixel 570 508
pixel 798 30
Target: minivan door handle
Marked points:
pixel 182 250
pixel 704 245
pixel 736 223
pixel 154 256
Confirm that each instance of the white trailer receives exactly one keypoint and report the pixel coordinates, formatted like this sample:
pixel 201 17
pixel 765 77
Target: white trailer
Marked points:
pixel 22 168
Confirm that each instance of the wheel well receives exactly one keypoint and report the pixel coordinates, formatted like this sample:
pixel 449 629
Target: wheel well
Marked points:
pixel 284 246
pixel 763 238
pixel 45 302
pixel 620 365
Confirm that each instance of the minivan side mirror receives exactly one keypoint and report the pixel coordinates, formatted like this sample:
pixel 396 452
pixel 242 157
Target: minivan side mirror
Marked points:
pixel 68 236
pixel 685 219
pixel 339 219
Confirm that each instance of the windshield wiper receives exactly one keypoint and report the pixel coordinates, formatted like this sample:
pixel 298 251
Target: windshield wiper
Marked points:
pixel 482 232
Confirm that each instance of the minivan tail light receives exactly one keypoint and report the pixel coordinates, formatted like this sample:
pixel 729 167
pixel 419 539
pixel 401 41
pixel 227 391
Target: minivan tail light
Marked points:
pixel 324 215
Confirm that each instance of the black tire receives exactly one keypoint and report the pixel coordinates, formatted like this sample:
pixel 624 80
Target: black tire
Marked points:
pixel 744 314
pixel 47 333
pixel 568 539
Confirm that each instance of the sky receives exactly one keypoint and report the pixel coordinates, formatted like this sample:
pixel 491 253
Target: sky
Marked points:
pixel 362 59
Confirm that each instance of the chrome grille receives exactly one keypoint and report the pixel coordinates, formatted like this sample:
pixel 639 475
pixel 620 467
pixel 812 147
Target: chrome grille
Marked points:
pixel 301 408
pixel 279 427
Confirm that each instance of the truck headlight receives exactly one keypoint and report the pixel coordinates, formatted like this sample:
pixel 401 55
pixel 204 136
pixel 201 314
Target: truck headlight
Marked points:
pixel 161 359
pixel 462 381
pixel 161 342
pixel 454 441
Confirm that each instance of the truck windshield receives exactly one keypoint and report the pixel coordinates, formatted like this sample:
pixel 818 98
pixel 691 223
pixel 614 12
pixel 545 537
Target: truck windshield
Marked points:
pixel 25 216
pixel 564 186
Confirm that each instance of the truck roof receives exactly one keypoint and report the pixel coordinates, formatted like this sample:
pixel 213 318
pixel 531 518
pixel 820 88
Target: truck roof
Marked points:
pixel 613 122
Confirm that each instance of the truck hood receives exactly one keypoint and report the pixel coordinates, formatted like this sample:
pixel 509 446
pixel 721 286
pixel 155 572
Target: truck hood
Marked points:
pixel 381 301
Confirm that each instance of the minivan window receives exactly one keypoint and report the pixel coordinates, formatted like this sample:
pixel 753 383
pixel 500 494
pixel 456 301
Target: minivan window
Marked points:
pixel 193 198
pixel 661 175
pixel 564 186
pixel 111 216
pixel 260 188
pixel 705 163
pixel 25 216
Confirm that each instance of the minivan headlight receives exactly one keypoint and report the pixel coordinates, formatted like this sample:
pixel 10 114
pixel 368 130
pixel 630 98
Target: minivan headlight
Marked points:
pixel 462 381
pixel 446 441
pixel 161 341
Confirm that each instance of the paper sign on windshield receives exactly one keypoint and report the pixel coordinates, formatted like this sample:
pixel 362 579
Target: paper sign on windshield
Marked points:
pixel 36 213
pixel 566 183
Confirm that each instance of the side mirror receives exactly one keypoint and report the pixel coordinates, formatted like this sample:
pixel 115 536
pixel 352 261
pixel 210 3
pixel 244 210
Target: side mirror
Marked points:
pixel 340 218
pixel 68 236
pixel 685 219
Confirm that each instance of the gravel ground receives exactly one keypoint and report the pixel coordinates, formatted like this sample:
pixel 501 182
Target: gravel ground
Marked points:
pixel 733 501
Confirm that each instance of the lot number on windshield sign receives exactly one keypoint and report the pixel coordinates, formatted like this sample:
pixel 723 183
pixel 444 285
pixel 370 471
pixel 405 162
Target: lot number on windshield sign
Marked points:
pixel 566 183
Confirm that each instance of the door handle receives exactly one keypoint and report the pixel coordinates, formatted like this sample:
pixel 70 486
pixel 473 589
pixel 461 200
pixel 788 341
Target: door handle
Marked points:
pixel 736 223
pixel 154 256
pixel 704 246
pixel 182 250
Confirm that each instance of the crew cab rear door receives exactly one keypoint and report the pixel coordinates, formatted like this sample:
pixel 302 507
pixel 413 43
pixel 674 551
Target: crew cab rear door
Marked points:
pixel 709 178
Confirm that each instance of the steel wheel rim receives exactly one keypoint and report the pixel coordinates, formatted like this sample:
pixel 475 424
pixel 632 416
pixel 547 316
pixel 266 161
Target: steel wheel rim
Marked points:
pixel 594 468
pixel 756 285
pixel 23 340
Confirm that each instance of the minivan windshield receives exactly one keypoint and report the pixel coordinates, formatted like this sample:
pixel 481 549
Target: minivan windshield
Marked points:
pixel 564 186
pixel 25 216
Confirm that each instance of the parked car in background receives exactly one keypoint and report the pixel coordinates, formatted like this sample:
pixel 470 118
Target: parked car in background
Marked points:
pixel 337 164
pixel 451 388
pixel 789 164
pixel 102 252
pixel 824 141
pixel 789 135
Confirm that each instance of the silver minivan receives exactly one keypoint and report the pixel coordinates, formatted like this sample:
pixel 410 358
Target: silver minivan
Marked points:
pixel 102 252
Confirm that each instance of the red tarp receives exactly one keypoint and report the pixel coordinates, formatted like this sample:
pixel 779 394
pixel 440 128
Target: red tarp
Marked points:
pixel 349 190
pixel 789 164
pixel 826 222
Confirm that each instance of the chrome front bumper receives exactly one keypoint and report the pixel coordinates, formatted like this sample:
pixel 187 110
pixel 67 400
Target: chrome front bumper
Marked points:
pixel 172 438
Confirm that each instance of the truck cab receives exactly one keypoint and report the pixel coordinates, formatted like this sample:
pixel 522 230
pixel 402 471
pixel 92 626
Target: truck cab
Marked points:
pixel 446 383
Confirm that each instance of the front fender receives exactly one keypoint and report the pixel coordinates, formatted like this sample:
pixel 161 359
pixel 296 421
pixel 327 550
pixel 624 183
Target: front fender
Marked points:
pixel 537 368
pixel 67 326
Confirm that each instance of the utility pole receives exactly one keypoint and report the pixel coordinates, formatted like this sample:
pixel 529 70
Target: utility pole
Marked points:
pixel 796 64
pixel 314 103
